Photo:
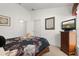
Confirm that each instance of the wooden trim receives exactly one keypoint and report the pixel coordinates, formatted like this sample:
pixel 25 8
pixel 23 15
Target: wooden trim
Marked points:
pixel 43 51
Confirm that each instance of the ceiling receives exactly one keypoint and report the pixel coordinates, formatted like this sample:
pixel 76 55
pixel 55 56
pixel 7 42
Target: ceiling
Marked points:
pixel 36 6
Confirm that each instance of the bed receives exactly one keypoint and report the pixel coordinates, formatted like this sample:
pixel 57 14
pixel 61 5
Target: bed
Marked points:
pixel 39 46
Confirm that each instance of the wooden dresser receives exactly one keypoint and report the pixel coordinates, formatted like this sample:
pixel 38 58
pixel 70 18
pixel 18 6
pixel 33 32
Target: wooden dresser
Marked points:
pixel 68 42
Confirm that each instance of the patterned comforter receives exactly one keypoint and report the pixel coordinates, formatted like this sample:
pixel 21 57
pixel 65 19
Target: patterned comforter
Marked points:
pixel 26 47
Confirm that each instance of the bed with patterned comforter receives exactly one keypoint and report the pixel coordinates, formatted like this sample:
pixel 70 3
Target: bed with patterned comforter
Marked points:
pixel 26 47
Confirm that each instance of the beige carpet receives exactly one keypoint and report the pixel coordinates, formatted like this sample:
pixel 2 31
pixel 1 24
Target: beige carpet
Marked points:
pixel 54 51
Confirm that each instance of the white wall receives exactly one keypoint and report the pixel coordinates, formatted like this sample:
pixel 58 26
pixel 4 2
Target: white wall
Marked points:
pixel 78 26
pixel 16 13
pixel 61 14
pixel 30 27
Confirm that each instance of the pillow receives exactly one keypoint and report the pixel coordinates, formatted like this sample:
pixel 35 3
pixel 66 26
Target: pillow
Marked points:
pixel 28 36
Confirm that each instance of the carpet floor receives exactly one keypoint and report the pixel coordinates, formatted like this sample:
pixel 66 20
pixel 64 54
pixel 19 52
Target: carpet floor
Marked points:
pixel 54 51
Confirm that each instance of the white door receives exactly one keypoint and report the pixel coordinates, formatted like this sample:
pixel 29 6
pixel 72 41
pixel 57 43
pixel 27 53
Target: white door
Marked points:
pixel 37 27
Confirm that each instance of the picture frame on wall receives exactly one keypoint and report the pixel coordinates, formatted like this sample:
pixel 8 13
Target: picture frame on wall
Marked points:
pixel 50 23
pixel 4 20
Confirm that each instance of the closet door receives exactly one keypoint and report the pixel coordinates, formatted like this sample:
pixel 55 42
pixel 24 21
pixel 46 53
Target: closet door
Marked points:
pixel 37 27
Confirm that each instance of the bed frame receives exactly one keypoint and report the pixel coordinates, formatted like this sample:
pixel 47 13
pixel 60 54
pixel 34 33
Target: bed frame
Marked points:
pixel 43 52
